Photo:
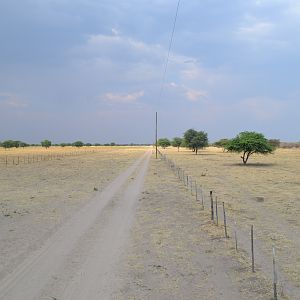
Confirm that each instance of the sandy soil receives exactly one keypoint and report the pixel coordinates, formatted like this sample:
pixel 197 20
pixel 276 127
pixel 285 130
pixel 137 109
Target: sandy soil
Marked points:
pixel 175 252
pixel 87 227
pixel 37 198
pixel 64 268
pixel 265 194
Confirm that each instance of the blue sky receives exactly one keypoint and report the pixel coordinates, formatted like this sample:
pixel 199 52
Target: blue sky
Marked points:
pixel 92 69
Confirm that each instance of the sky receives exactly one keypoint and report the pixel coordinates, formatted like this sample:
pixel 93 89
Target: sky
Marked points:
pixel 92 70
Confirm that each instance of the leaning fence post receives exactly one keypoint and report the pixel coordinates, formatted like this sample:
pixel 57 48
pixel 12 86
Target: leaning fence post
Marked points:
pixel 225 222
pixel 252 248
pixel 211 205
pixel 274 276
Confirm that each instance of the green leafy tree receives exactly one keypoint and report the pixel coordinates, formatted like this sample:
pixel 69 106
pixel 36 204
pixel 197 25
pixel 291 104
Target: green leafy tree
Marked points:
pixel 188 137
pixel 78 144
pixel 63 144
pixel 23 144
pixel 8 144
pixel 249 143
pixel 221 144
pixel 163 142
pixel 199 141
pixel 177 141
pixel 88 144
pixel 46 143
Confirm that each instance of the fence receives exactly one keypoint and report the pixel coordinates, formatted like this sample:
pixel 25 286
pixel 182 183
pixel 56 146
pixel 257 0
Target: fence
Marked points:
pixel 197 191
pixel 14 160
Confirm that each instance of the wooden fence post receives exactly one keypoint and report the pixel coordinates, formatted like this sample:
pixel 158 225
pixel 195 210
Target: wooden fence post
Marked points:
pixel 225 221
pixel 217 217
pixel 252 248
pixel 211 205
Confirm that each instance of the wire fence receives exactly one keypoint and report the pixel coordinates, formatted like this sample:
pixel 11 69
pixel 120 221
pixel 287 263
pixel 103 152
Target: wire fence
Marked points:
pixel 15 160
pixel 211 202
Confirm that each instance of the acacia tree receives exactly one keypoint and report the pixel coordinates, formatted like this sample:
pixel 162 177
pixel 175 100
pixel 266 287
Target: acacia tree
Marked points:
pixel 78 144
pixel 199 141
pixel 188 137
pixel 248 143
pixel 222 144
pixel 163 142
pixel 46 143
pixel 177 141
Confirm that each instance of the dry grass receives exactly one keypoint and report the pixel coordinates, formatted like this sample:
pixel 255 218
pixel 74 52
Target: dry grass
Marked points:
pixel 36 198
pixel 266 193
pixel 24 155
pixel 177 253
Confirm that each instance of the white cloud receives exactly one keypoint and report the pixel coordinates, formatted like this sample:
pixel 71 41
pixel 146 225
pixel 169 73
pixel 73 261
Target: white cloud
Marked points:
pixel 123 98
pixel 254 29
pixel 11 100
pixel 195 95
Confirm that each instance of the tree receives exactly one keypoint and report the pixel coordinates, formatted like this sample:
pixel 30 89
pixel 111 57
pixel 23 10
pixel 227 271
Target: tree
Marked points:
pixel 177 141
pixel 249 143
pixel 163 142
pixel 188 137
pixel 221 143
pixel 46 143
pixel 88 144
pixel 23 144
pixel 8 144
pixel 199 141
pixel 78 144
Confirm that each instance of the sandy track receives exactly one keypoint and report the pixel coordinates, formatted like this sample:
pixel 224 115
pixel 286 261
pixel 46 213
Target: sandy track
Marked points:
pixel 29 280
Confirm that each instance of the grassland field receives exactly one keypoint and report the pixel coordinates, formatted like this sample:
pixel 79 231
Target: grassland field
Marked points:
pixel 37 198
pixel 264 193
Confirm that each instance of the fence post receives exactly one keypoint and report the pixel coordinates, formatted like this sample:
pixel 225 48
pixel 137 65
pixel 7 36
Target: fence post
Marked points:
pixel 274 276
pixel 252 249
pixel 217 217
pixel 211 205
pixel 225 222
pixel 235 237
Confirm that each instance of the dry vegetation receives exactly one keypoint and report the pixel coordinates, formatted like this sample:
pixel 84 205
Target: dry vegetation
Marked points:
pixel 177 253
pixel 265 193
pixel 36 198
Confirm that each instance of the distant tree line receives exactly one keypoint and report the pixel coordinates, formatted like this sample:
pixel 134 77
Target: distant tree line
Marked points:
pixel 47 144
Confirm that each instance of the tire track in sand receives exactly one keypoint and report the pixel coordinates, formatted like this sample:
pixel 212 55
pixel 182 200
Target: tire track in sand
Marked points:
pixel 28 280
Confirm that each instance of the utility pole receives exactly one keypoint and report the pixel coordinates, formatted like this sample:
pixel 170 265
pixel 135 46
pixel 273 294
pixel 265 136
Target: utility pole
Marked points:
pixel 156 135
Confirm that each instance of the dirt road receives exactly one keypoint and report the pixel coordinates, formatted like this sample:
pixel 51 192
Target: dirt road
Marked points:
pixel 78 261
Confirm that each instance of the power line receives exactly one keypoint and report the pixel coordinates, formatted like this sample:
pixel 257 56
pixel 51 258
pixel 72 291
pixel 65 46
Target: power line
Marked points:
pixel 169 50
pixel 165 69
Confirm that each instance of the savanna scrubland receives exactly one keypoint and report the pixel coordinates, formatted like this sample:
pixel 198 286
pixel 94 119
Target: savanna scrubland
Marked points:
pixel 174 250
